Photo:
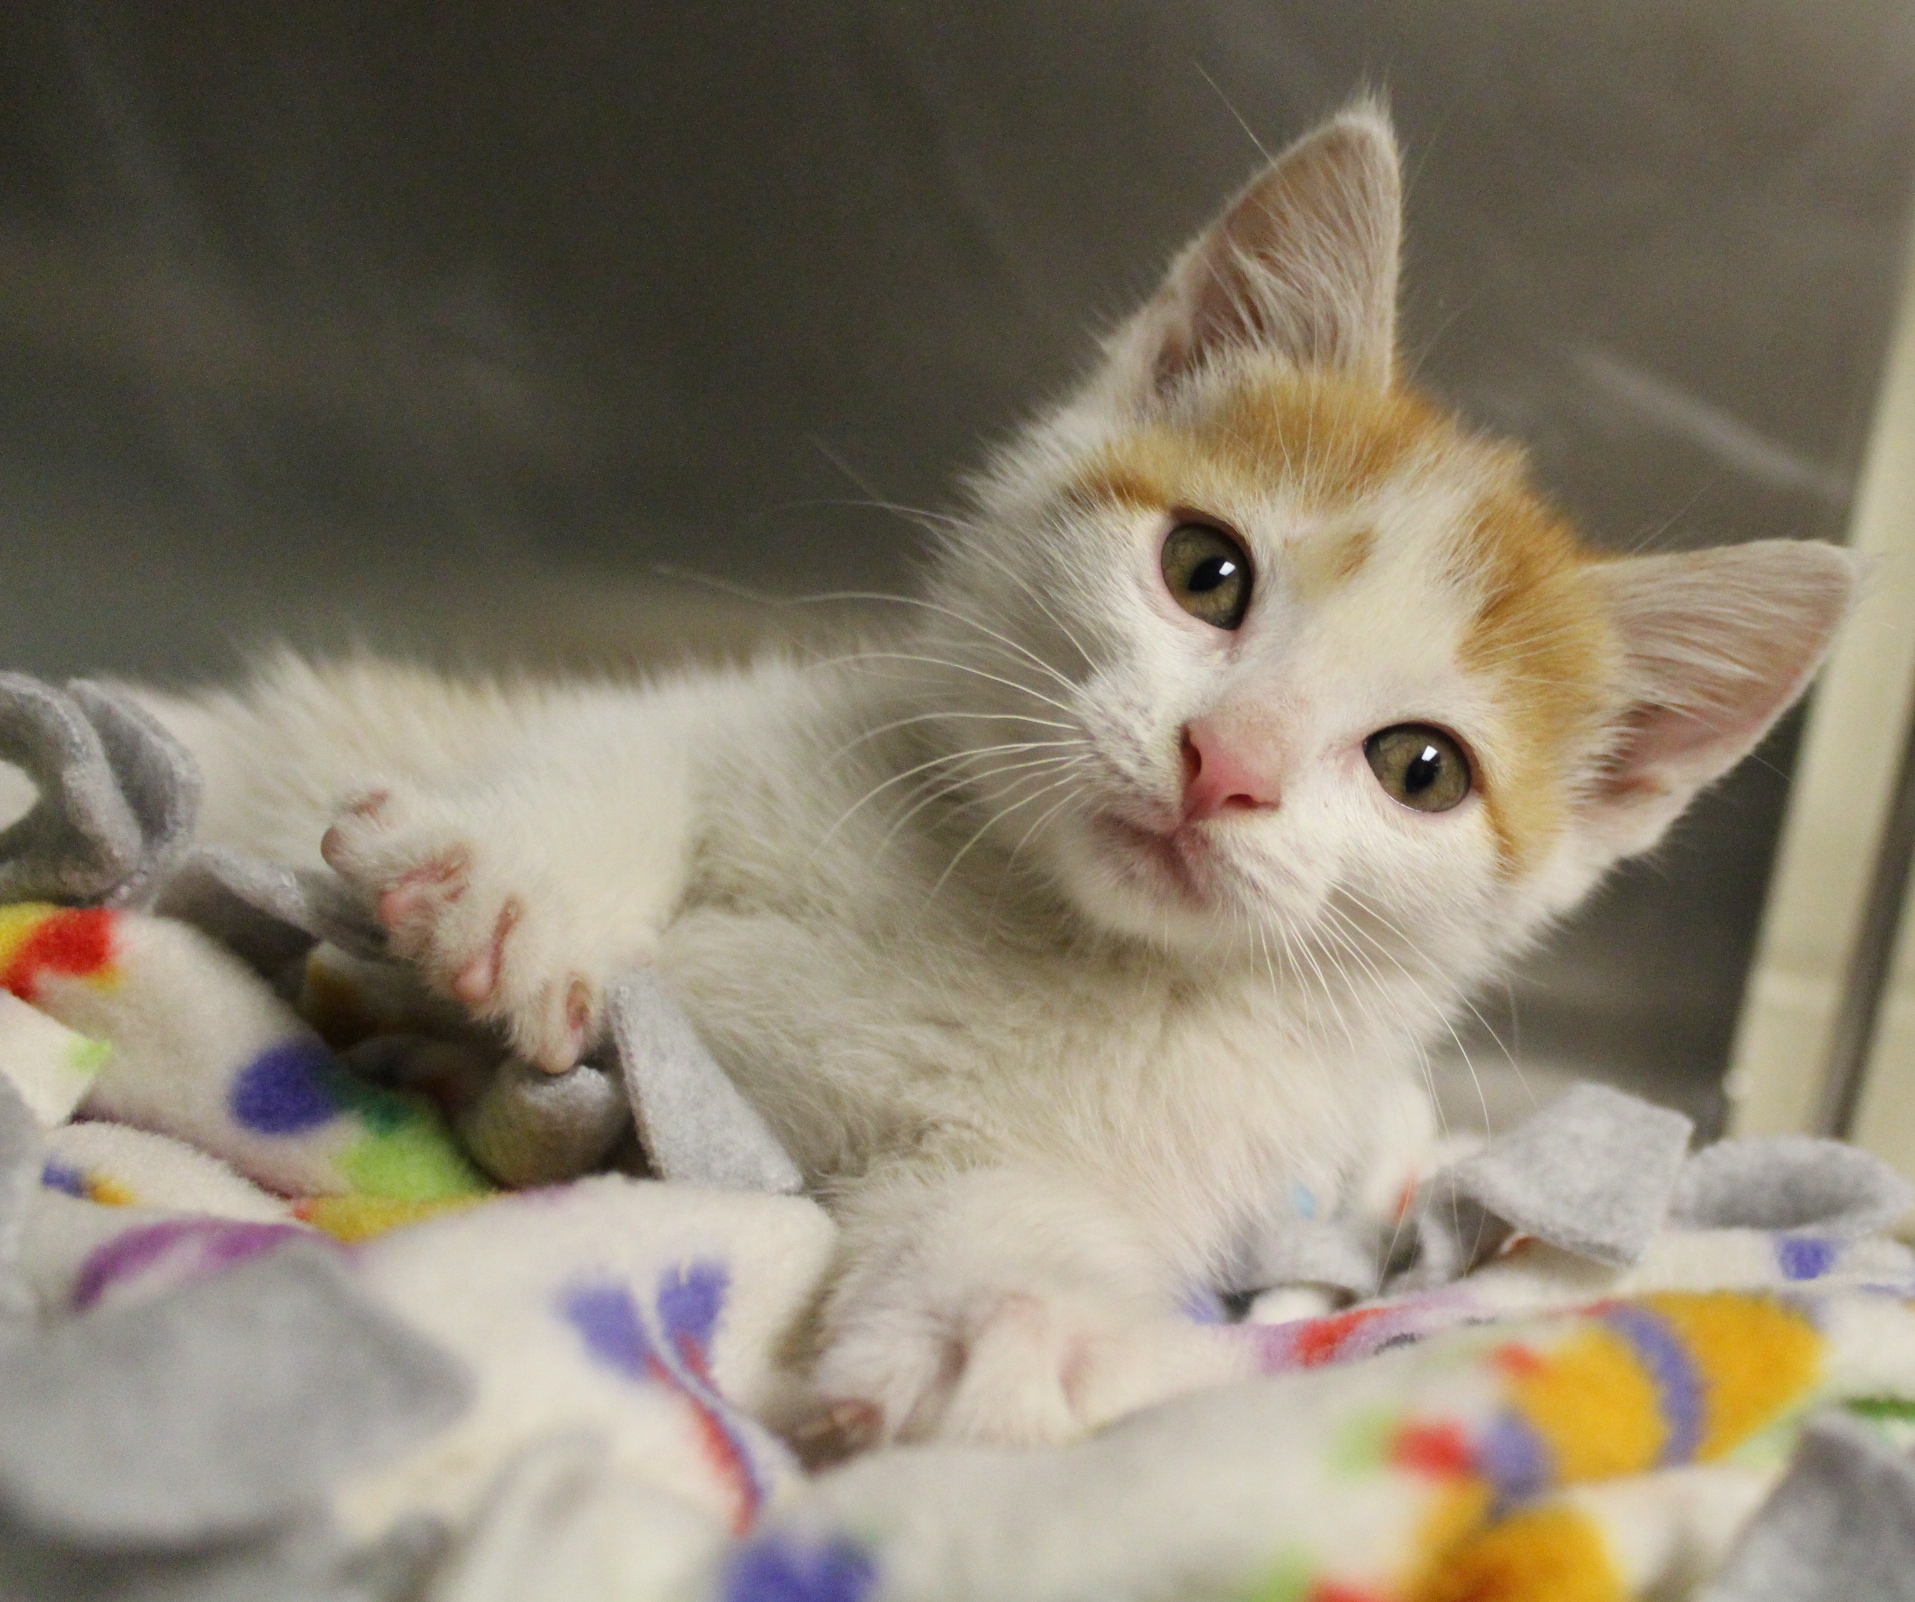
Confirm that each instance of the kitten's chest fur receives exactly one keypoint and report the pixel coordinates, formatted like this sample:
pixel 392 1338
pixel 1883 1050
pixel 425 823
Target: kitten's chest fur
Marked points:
pixel 876 1005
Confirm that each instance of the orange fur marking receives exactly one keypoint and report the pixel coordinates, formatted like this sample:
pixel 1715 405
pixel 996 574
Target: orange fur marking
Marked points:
pixel 1542 636
pixel 1111 482
pixel 1325 438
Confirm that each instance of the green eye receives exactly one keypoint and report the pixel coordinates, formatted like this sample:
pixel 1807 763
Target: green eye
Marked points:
pixel 1420 766
pixel 1208 574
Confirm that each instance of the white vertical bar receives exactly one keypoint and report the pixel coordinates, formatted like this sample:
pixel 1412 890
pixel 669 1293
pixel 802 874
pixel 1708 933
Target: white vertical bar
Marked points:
pixel 1840 799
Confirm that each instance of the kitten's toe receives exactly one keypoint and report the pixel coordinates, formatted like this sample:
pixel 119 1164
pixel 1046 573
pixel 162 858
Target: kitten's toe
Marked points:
pixel 478 980
pixel 354 846
pixel 416 897
pixel 554 1031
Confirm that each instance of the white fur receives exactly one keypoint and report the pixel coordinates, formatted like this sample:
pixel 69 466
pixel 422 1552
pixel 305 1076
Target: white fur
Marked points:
pixel 1046 1090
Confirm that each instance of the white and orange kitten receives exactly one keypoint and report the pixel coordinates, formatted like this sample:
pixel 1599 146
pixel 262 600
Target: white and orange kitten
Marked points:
pixel 1256 712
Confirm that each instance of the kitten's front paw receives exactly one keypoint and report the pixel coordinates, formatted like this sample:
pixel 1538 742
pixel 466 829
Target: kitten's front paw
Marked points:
pixel 467 897
pixel 1024 1368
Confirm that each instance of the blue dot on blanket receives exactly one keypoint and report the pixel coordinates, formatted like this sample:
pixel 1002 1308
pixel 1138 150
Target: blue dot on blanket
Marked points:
pixel 1804 1256
pixel 777 1568
pixel 286 1089
pixel 57 1175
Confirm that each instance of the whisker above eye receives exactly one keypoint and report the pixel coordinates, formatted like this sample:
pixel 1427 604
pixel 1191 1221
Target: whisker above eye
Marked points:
pixel 951 612
pixel 923 516
pixel 941 717
pixel 1029 593
pixel 958 667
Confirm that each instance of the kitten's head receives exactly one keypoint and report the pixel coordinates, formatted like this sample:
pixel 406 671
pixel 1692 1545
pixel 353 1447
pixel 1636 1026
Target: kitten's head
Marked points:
pixel 1275 648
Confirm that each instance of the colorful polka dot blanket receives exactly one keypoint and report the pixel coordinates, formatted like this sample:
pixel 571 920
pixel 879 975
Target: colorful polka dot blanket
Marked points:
pixel 274 1324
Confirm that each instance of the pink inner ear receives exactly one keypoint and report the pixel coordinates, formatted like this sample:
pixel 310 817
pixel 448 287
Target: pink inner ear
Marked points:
pixel 1718 645
pixel 1660 743
pixel 1303 263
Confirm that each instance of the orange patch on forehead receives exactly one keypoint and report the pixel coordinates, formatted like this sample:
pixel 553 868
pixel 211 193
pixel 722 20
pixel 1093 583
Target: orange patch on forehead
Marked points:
pixel 1319 439
pixel 1330 439
pixel 1542 638
pixel 1113 480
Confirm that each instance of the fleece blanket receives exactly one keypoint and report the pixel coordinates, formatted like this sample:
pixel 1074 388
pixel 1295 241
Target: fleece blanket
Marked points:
pixel 307 1290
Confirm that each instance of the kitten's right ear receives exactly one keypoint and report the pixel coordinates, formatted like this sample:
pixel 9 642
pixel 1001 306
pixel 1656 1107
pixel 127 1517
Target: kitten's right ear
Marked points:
pixel 1302 263
pixel 1716 645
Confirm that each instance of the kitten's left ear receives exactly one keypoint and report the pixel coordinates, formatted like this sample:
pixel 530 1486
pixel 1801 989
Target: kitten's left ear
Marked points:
pixel 1717 645
pixel 1302 263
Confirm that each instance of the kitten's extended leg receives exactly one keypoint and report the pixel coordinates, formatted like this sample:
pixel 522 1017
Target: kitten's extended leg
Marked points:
pixel 520 848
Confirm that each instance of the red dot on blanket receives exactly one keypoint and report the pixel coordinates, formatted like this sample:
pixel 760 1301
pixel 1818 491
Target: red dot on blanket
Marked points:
pixel 1321 1339
pixel 1331 1591
pixel 1517 1361
pixel 78 943
pixel 1440 1450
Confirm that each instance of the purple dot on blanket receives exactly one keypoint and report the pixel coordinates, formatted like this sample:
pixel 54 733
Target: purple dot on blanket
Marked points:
pixel 57 1175
pixel 691 1300
pixel 286 1089
pixel 1514 1459
pixel 188 1248
pixel 605 1314
pixel 778 1569
pixel 1804 1256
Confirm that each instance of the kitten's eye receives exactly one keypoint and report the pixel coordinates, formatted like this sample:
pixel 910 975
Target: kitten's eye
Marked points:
pixel 1208 573
pixel 1420 766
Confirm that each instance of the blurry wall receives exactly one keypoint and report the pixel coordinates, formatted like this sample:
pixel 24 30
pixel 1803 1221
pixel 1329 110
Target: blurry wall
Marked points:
pixel 439 326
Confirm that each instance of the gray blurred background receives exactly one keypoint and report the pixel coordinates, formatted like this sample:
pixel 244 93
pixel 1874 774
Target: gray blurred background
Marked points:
pixel 443 327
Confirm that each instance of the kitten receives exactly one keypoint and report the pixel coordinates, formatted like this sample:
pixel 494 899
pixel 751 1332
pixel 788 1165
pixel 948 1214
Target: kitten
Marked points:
pixel 1256 712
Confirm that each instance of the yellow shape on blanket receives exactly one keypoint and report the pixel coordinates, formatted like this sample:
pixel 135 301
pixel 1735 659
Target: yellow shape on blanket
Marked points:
pixel 1545 1554
pixel 109 1192
pixel 1454 1520
pixel 1594 1406
pixel 355 1218
pixel 18 920
pixel 1755 1357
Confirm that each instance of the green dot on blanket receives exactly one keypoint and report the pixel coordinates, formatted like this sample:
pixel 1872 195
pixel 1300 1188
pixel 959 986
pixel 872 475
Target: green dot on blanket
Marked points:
pixel 417 1160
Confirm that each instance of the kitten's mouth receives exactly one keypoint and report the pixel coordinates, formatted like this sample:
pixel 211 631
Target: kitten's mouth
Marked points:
pixel 1174 857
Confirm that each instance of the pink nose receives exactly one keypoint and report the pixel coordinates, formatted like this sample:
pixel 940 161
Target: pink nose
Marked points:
pixel 1219 777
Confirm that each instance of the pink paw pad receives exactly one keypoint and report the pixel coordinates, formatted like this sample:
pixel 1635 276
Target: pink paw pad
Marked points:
pixel 479 978
pixel 443 879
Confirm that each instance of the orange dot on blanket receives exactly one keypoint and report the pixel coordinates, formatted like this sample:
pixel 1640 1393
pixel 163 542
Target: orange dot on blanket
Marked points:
pixel 1546 1554
pixel 38 941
